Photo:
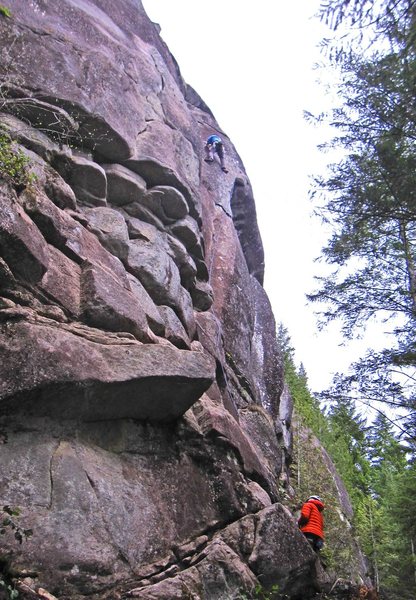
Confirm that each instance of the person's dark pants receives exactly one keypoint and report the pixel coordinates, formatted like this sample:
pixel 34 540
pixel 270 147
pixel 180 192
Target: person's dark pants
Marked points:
pixel 315 541
pixel 219 149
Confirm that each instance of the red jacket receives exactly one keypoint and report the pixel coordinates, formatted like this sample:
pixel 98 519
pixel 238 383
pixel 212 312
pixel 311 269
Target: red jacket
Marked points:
pixel 311 519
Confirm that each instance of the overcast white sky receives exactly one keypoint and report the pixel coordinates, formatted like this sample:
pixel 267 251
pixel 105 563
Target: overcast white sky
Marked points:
pixel 253 65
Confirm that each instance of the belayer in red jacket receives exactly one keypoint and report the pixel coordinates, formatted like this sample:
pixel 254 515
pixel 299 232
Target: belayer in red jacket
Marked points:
pixel 311 522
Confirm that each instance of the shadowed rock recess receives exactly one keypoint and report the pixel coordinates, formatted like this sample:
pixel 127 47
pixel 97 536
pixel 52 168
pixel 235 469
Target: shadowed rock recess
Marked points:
pixel 140 380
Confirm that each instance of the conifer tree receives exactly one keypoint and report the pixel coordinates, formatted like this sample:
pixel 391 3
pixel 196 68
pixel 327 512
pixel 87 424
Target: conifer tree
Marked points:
pixel 369 198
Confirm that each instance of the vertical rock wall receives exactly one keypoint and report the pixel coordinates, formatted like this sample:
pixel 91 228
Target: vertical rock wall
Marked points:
pixel 139 373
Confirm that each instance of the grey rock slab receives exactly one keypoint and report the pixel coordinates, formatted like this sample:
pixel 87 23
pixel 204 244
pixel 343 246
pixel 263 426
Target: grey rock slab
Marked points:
pixel 166 202
pixel 62 281
pixel 108 305
pixel 281 553
pixel 69 235
pixel 110 227
pixel 183 261
pixel 155 269
pixel 202 295
pixel 49 180
pixel 210 334
pixel 187 231
pixel 87 178
pixel 123 186
pixel 219 573
pixel 27 455
pixel 174 330
pixel 258 425
pixel 58 190
pixel 212 418
pixel 267 358
pixel 154 318
pixel 73 377
pixel 21 244
pixel 169 145
pixel 139 211
pixel 28 136
pixel 201 266
pixel 42 115
pixel 142 230
pixel 285 418
pixel 243 210
pixel 159 275
pixel 156 172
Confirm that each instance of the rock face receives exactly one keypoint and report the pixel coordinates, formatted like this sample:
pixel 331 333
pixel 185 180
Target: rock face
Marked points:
pixel 140 378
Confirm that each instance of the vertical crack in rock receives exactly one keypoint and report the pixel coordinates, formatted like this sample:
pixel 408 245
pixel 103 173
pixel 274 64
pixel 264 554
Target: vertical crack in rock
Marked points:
pixel 109 538
pixel 224 209
pixel 51 474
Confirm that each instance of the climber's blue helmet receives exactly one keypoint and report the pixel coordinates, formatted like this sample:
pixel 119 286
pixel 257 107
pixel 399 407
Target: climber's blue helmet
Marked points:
pixel 214 139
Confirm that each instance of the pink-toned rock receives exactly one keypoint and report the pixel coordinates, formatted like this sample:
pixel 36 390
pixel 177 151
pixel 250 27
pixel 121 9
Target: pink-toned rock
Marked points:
pixel 68 235
pixel 109 306
pixel 283 556
pixel 75 378
pixel 21 244
pixel 154 318
pixel 174 330
pixel 158 273
pixel 136 487
pixel 86 178
pixel 62 281
pixel 215 420
pixel 110 227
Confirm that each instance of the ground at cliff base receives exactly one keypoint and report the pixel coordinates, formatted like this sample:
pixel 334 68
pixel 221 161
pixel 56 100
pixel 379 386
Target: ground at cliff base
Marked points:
pixel 345 590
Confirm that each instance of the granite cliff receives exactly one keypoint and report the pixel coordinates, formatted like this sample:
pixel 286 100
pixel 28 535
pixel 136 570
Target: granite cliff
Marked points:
pixel 141 425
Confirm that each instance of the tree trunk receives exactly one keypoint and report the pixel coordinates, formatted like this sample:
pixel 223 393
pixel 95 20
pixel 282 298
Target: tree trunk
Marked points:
pixel 410 264
pixel 375 556
pixel 412 546
pixel 299 457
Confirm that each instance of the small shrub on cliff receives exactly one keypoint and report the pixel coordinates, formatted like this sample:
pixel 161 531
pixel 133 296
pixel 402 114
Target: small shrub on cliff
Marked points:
pixel 5 12
pixel 260 593
pixel 14 164
pixel 8 523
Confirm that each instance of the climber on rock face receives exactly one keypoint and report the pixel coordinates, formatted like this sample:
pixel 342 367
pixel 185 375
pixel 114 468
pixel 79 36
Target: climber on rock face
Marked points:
pixel 311 522
pixel 215 147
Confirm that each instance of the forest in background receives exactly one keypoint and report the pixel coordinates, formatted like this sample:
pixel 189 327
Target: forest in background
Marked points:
pixel 367 197
pixel 378 470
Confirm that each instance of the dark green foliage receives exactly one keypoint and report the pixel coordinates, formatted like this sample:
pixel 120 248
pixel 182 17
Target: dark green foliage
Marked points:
pixel 5 12
pixel 14 164
pixel 363 24
pixel 9 523
pixel 381 482
pixel 261 593
pixel 341 433
pixel 297 382
pixel 369 197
